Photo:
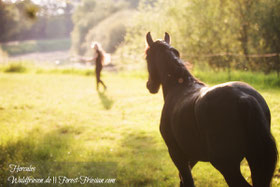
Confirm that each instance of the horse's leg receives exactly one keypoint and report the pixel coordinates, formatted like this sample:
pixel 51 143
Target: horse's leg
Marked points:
pixel 230 169
pixel 192 163
pixel 258 171
pixel 185 172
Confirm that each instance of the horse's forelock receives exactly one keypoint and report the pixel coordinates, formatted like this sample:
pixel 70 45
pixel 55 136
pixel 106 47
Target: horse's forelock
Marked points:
pixel 158 44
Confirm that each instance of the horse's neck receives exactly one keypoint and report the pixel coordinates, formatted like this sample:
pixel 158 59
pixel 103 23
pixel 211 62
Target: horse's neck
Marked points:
pixel 182 79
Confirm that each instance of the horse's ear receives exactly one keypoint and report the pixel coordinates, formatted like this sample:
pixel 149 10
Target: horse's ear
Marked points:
pixel 149 39
pixel 167 38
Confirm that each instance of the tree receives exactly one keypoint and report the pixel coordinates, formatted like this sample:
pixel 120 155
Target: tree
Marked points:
pixel 87 15
pixel 221 33
pixel 8 20
pixel 268 19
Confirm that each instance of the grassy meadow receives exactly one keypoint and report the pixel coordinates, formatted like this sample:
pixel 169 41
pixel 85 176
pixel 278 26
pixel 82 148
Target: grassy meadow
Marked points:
pixel 56 121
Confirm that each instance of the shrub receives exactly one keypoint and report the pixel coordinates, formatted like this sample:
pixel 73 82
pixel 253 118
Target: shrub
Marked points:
pixel 15 68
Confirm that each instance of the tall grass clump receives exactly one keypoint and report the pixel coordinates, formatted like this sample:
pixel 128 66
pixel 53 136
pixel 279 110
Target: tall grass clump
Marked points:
pixel 15 68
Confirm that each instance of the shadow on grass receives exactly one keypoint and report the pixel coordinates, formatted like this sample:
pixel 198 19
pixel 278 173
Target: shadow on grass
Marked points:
pixel 33 149
pixel 144 161
pixel 51 154
pixel 105 100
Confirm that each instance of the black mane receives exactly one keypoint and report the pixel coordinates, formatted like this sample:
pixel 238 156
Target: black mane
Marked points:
pixel 179 69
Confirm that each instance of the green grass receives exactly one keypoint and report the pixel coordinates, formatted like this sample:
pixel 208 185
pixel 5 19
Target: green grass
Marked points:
pixel 31 46
pixel 60 124
pixel 257 79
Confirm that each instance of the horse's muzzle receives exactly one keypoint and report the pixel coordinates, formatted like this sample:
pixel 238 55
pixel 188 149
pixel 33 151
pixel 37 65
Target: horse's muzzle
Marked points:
pixel 152 87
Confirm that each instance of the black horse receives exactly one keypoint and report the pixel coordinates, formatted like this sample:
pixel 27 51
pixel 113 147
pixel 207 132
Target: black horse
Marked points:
pixel 222 124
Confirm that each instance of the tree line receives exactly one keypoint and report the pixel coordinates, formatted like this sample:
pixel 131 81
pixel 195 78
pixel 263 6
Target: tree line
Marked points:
pixel 104 21
pixel 84 21
pixel 25 20
pixel 222 34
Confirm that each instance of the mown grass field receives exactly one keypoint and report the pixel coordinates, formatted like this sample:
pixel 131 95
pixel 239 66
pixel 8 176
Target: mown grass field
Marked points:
pixel 60 124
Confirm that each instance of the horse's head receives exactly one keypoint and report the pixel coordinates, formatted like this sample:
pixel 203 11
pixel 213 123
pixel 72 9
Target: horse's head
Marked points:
pixel 158 54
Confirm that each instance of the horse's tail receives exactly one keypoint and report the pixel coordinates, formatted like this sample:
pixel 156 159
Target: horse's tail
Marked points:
pixel 261 152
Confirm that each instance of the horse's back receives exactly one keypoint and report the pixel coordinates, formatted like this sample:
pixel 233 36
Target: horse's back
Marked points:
pixel 227 96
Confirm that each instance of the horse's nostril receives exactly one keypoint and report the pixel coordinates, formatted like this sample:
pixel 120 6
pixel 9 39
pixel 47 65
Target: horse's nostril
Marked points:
pixel 153 88
pixel 148 85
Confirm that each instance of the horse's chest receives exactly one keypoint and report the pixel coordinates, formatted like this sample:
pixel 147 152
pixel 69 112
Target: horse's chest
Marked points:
pixel 178 127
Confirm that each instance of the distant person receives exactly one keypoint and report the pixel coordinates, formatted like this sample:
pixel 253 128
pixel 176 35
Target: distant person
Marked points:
pixel 99 56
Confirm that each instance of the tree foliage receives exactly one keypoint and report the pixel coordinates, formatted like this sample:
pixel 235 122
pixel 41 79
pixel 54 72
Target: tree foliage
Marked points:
pixel 25 20
pixel 268 26
pixel 13 19
pixel 87 15
pixel 109 32
pixel 220 33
